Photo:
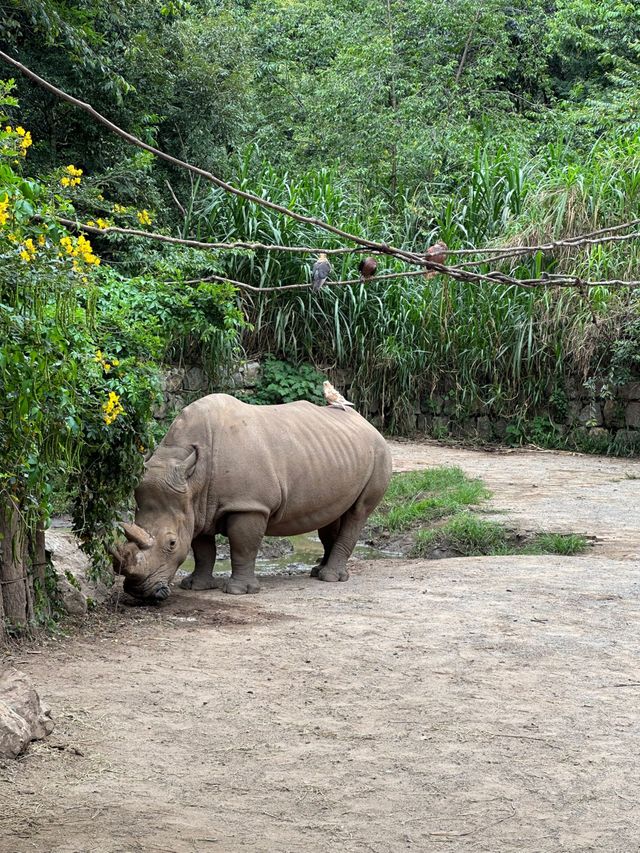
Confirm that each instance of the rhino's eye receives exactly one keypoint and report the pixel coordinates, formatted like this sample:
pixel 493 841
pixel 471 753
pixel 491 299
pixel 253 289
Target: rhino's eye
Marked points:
pixel 171 544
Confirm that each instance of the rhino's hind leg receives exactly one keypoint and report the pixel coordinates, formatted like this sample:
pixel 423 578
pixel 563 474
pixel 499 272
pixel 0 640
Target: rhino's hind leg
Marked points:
pixel 245 531
pixel 328 536
pixel 335 568
pixel 204 553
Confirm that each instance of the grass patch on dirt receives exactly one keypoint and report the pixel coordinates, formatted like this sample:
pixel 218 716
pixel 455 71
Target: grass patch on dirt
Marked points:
pixel 426 514
pixel 420 496
pixel 469 536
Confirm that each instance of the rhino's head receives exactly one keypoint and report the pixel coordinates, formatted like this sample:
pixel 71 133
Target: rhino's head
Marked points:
pixel 160 539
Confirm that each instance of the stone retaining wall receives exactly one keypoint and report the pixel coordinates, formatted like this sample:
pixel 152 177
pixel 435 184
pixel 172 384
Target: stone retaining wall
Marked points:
pixel 597 417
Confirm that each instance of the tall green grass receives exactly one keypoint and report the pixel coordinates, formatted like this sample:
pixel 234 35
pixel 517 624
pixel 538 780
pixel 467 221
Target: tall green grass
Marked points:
pixel 495 346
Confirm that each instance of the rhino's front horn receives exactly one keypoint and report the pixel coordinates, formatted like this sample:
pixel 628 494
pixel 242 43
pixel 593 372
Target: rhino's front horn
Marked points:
pixel 119 563
pixel 138 535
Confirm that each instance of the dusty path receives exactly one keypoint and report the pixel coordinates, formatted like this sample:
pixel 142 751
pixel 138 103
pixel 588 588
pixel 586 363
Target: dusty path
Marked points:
pixel 486 704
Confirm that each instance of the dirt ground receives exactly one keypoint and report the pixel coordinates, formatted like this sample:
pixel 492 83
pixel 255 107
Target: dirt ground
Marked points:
pixel 481 704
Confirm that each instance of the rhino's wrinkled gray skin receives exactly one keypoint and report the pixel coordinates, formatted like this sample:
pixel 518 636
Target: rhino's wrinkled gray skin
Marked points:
pixel 245 471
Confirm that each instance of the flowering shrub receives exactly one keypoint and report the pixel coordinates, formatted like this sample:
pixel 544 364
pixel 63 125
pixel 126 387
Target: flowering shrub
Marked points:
pixel 67 411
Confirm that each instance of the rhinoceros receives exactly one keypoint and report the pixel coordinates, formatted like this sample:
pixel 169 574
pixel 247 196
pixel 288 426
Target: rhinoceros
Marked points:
pixel 245 471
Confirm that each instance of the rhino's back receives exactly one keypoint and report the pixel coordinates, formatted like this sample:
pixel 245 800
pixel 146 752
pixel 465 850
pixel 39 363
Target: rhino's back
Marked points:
pixel 220 419
pixel 288 458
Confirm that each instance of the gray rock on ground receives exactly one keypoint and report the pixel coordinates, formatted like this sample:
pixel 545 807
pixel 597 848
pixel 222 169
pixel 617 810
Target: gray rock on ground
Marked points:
pixel 66 557
pixel 23 716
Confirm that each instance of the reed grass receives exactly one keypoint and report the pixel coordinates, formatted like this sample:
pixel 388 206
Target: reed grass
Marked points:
pixel 493 347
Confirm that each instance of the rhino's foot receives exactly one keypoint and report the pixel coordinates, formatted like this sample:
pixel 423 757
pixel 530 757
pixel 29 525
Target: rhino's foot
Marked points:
pixel 194 581
pixel 315 571
pixel 324 573
pixel 235 586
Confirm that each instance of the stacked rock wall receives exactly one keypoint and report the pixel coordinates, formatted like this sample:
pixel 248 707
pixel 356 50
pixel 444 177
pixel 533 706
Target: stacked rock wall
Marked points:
pixel 598 414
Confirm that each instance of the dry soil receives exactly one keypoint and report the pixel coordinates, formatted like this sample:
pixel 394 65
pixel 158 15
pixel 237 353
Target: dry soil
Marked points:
pixel 482 704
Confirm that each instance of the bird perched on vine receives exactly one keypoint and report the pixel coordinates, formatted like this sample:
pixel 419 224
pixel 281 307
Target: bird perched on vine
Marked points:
pixel 438 254
pixel 320 272
pixel 333 397
pixel 367 268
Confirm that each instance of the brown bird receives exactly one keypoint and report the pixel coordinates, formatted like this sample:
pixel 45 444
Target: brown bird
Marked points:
pixel 320 272
pixel 438 254
pixel 367 268
pixel 333 397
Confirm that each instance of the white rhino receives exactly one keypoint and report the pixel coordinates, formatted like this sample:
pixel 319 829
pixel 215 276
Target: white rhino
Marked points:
pixel 247 471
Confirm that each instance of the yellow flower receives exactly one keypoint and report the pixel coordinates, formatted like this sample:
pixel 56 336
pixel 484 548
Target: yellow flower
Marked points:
pixel 4 206
pixel 103 223
pixel 41 239
pixel 28 251
pixel 112 408
pixel 67 245
pixel 144 217
pixel 25 140
pixel 80 250
pixel 91 222
pixel 72 178
pixel 9 129
pixel 106 366
pixel 119 208
pixel 84 248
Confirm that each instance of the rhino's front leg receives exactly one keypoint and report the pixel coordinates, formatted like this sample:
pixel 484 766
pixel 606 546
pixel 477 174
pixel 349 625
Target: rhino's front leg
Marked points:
pixel 245 531
pixel 204 554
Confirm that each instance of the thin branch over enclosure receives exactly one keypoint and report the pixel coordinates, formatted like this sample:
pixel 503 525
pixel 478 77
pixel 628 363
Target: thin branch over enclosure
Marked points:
pixel 506 252
pixel 603 235
pixel 203 244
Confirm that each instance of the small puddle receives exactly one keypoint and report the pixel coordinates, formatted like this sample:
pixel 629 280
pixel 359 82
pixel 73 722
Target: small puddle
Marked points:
pixel 295 555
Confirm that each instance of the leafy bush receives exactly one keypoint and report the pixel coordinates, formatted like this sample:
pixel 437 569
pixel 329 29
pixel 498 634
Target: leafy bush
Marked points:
pixel 281 382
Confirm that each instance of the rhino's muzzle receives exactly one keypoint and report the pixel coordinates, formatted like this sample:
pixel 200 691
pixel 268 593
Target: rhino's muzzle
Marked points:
pixel 161 592
pixel 158 592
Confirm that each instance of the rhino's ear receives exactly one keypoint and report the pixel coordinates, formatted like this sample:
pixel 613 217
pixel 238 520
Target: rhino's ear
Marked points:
pixel 190 462
pixel 184 469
